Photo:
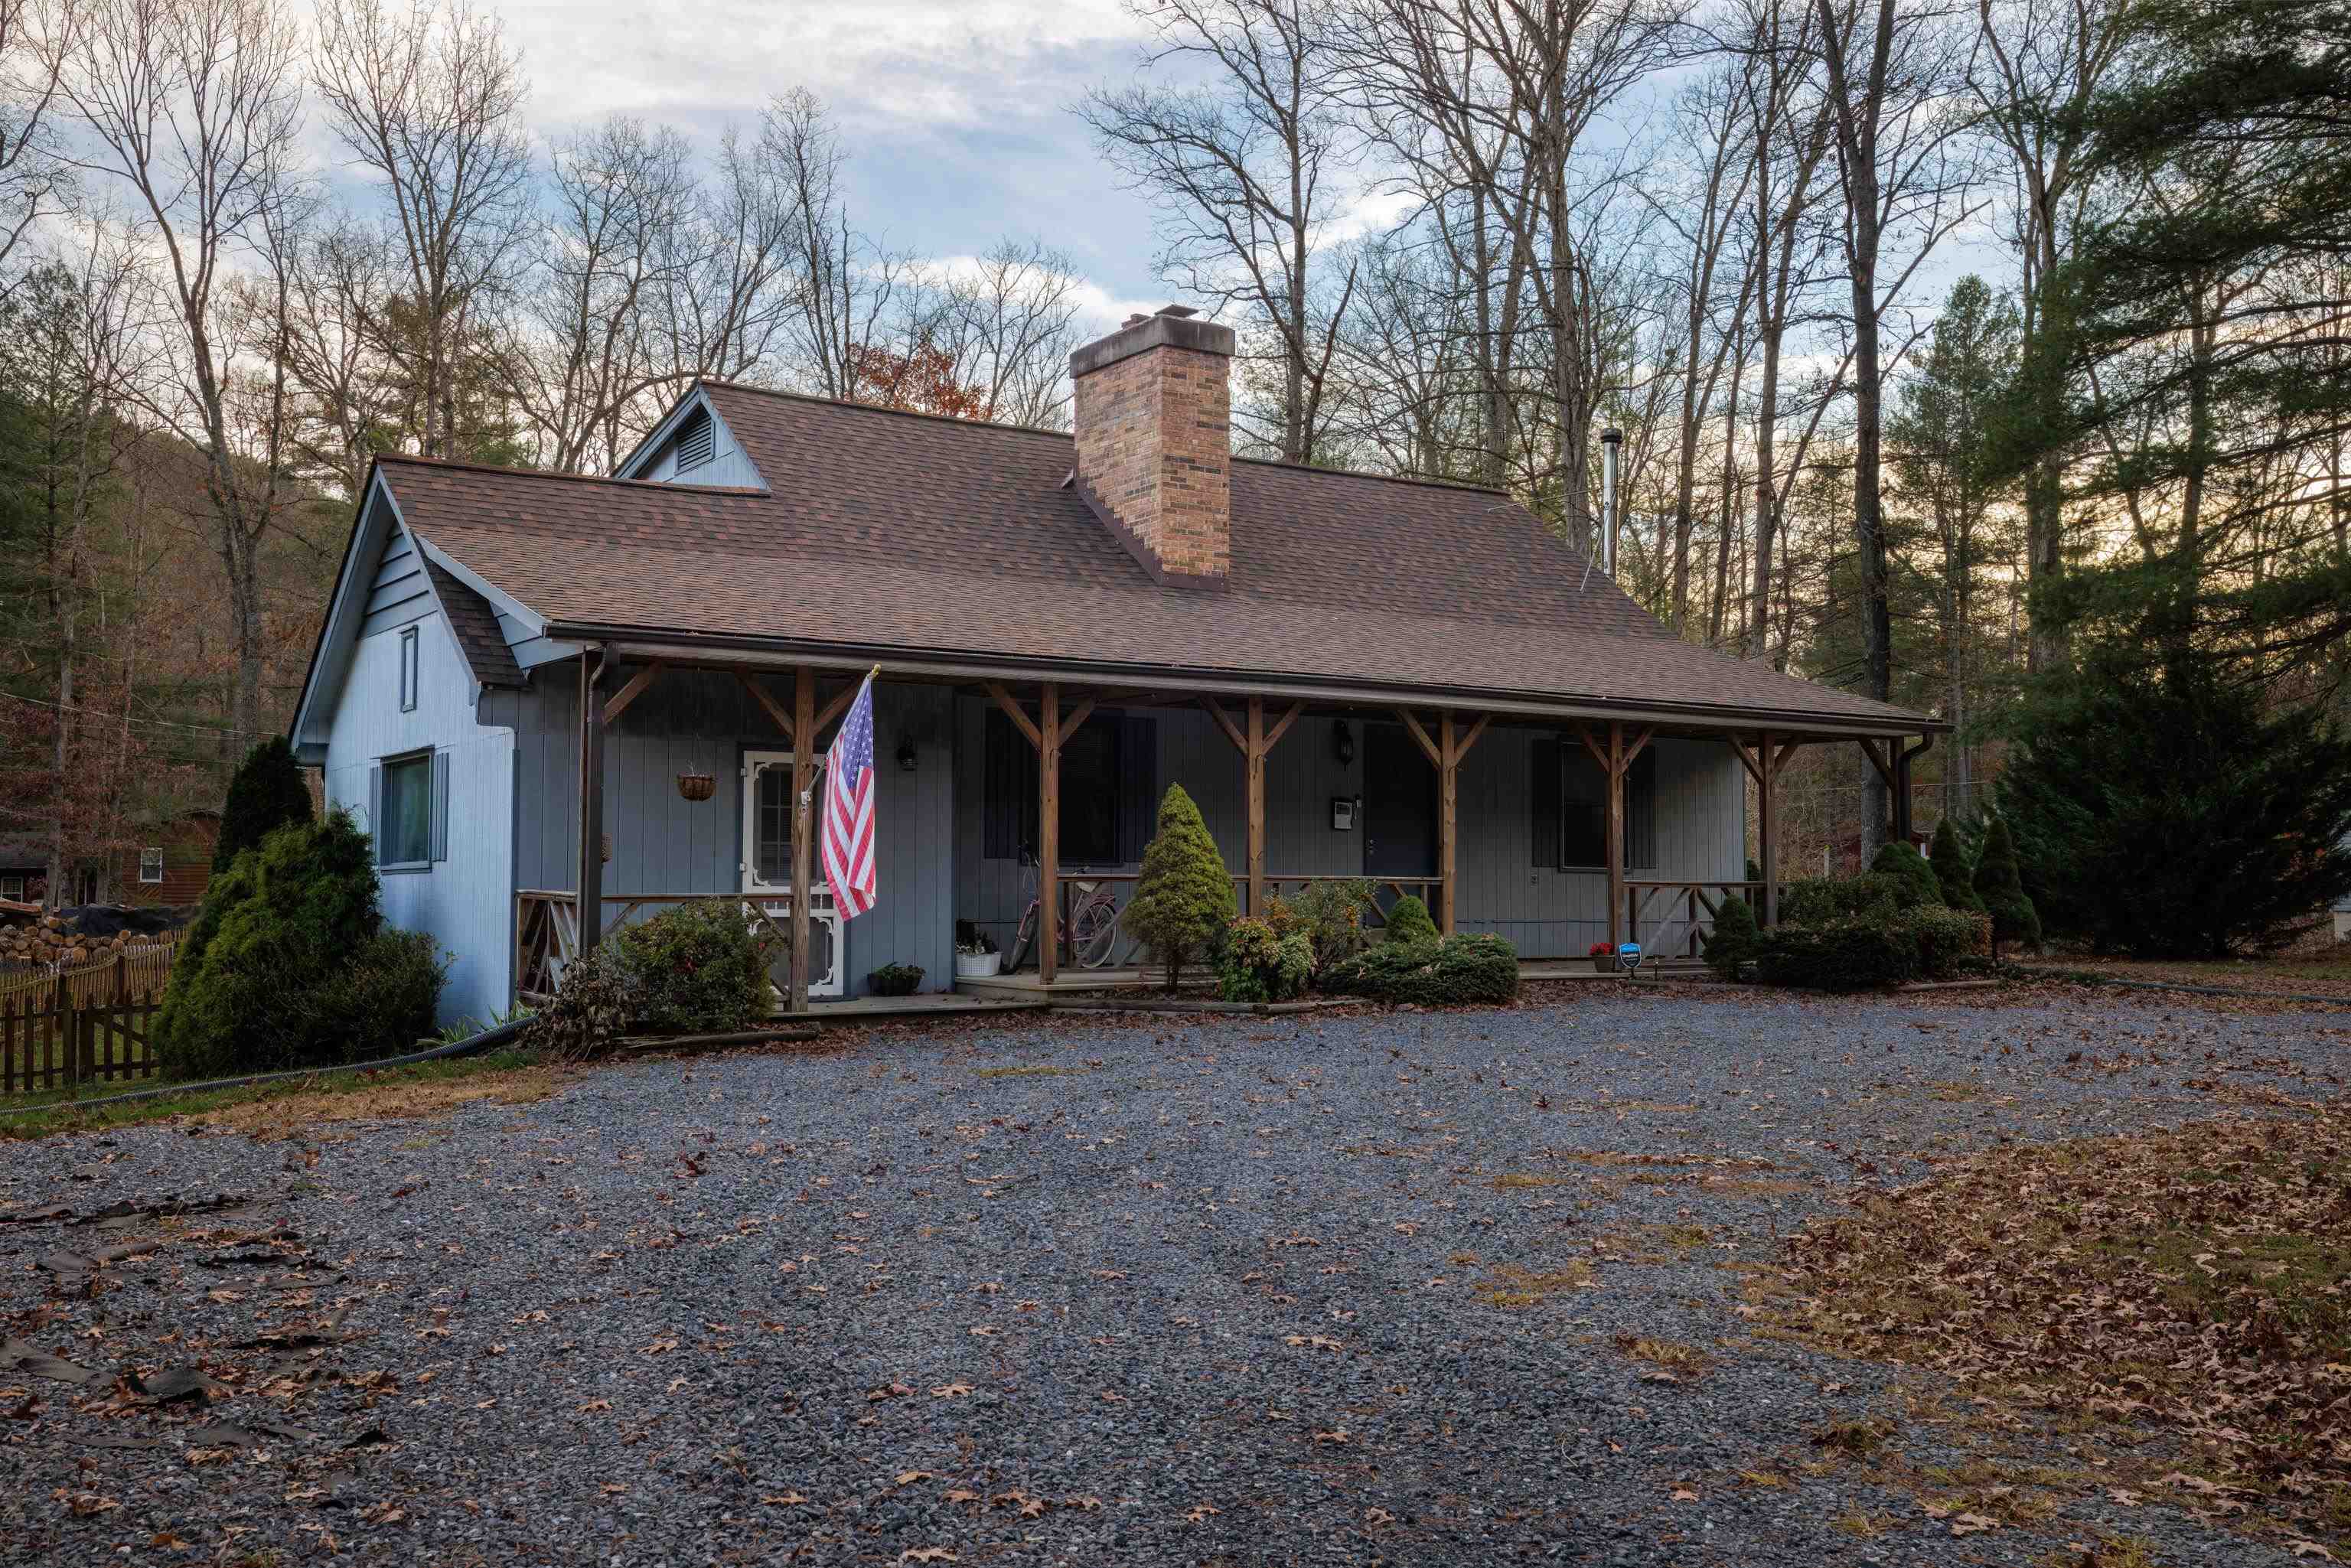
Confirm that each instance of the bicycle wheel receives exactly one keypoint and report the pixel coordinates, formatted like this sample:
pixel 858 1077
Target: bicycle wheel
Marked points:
pixel 1025 940
pixel 1095 935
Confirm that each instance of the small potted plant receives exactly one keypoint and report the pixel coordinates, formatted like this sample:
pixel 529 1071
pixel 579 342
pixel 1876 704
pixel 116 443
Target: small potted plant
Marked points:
pixel 977 957
pixel 1603 959
pixel 895 980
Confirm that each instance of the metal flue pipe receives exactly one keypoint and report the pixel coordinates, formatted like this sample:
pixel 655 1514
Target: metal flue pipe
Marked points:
pixel 1611 440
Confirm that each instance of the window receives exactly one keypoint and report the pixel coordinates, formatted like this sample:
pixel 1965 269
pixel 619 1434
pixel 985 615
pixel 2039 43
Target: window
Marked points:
pixel 1571 808
pixel 12 888
pixel 151 863
pixel 408 670
pixel 403 835
pixel 1110 790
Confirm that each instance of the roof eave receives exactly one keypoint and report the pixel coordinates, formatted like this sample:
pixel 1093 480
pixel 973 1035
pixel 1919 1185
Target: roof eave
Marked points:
pixel 626 641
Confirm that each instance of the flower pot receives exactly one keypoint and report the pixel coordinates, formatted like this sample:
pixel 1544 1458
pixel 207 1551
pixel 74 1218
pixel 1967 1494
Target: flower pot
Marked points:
pixel 1604 963
pixel 697 786
pixel 977 965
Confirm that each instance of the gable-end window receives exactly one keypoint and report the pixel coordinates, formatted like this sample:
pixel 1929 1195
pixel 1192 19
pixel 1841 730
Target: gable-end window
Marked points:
pixel 409 807
pixel 1571 805
pixel 1110 776
pixel 151 863
pixel 698 439
pixel 408 670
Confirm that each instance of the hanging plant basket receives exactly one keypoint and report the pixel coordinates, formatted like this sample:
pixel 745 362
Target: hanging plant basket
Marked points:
pixel 697 786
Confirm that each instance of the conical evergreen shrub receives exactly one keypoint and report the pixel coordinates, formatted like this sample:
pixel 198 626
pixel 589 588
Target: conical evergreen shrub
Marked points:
pixel 2002 888
pixel 1184 896
pixel 1409 921
pixel 1952 870
pixel 1733 942
pixel 267 792
pixel 1897 858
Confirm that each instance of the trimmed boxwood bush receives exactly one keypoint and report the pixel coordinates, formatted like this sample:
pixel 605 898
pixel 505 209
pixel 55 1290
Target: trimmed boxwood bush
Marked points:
pixel 1897 858
pixel 1409 921
pixel 1257 964
pixel 1945 936
pixel 1731 945
pixel 696 969
pixel 1458 969
pixel 1817 901
pixel 1839 955
pixel 288 964
pixel 1182 896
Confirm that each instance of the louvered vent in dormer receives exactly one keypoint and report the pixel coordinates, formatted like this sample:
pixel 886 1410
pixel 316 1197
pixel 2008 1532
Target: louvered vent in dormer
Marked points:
pixel 698 439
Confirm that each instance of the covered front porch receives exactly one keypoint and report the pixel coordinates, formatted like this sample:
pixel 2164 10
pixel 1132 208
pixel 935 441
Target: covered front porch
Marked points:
pixel 1015 802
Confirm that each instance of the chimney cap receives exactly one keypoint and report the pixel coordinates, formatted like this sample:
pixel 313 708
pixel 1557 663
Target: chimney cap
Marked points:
pixel 1179 311
pixel 1174 328
pixel 1137 319
pixel 1612 435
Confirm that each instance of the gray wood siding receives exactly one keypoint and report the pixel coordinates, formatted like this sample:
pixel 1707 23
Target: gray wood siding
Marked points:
pixel 728 465
pixel 703 722
pixel 1543 911
pixel 400 594
pixel 465 901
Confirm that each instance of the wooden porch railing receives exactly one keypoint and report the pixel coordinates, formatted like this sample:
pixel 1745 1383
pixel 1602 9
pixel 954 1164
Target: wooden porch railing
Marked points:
pixel 547 931
pixel 1680 931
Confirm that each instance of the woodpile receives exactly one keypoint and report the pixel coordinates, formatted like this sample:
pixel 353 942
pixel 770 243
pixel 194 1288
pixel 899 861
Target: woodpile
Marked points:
pixel 54 939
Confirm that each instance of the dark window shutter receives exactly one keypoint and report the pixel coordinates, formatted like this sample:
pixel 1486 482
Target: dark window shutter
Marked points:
pixel 375 809
pixel 1008 789
pixel 1138 773
pixel 1641 809
pixel 1543 799
pixel 440 805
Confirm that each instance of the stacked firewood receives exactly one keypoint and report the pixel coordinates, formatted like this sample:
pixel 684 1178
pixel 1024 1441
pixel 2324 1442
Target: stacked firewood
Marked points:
pixel 55 939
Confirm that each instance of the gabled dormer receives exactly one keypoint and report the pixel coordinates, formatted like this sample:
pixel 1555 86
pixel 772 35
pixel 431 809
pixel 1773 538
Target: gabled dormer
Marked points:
pixel 692 445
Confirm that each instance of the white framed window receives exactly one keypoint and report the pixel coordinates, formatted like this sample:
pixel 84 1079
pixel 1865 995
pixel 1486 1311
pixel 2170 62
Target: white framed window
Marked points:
pixel 12 888
pixel 151 863
pixel 408 670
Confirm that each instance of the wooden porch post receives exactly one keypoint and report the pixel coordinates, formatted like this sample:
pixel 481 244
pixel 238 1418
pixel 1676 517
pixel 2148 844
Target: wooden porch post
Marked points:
pixel 1767 823
pixel 591 909
pixel 1254 752
pixel 1449 836
pixel 1615 768
pixel 804 826
pixel 1048 834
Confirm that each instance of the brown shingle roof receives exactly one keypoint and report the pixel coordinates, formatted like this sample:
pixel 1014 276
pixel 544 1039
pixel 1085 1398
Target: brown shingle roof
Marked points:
pixel 881 528
pixel 477 627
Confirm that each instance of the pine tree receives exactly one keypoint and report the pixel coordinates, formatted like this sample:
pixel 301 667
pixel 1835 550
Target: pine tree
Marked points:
pixel 1184 895
pixel 1952 872
pixel 267 792
pixel 1734 940
pixel 2001 889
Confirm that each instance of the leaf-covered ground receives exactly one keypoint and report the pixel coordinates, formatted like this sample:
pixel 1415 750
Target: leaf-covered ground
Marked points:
pixel 1487 1286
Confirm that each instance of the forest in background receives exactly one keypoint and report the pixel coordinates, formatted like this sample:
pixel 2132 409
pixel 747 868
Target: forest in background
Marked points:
pixel 1947 342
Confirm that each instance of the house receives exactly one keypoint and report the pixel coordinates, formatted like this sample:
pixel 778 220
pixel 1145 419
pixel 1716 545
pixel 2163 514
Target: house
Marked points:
pixel 171 864
pixel 23 870
pixel 545 692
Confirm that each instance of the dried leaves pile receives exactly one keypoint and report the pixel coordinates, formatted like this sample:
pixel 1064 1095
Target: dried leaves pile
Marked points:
pixel 2194 1280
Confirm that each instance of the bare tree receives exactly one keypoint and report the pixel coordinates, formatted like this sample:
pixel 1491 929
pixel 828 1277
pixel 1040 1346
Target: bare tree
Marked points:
pixel 1247 167
pixel 1007 321
pixel 338 292
pixel 193 106
pixel 1887 75
pixel 36 38
pixel 848 285
pixel 428 99
pixel 732 269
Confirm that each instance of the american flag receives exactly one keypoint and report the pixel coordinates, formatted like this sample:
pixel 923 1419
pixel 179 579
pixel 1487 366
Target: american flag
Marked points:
pixel 849 809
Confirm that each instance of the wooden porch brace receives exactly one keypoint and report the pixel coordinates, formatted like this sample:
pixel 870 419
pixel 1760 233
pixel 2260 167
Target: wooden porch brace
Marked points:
pixel 1446 751
pixel 1256 744
pixel 591 909
pixel 1046 733
pixel 1615 759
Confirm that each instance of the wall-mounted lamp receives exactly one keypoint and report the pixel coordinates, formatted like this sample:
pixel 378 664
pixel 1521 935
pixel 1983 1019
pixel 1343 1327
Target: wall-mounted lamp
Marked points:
pixel 1343 743
pixel 906 757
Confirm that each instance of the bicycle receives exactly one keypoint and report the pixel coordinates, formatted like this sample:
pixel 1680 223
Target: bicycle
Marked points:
pixel 1092 937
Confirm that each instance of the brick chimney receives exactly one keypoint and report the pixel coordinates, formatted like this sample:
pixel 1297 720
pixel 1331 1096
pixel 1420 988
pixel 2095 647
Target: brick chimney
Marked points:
pixel 1155 456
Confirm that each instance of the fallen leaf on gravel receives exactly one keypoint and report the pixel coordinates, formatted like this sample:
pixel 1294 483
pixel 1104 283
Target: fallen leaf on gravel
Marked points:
pixel 2310 1549
pixel 1110 1398
pixel 595 1404
pixel 1683 1494
pixel 167 1542
pixel 785 1500
pixel 1310 1342
pixel 950 1390
pixel 962 1494
pixel 1110 1273
pixel 210 1456
pixel 908 1478
pixel 383 1514
pixel 1972 1524
pixel 1081 1502
pixel 1378 1516
pixel 611 1488
pixel 85 1503
pixel 926 1554
pixel 984 1331
pixel 1333 1439
pixel 1199 1512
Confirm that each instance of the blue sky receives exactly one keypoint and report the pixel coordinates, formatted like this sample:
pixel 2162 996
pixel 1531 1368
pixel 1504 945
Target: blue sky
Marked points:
pixel 955 113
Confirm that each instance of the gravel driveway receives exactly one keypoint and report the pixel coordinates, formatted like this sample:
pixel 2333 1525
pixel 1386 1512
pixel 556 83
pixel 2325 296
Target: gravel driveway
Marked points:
pixel 1405 1289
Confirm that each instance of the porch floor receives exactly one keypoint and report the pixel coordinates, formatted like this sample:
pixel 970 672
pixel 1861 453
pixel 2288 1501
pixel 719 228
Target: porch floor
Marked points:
pixel 927 1004
pixel 1026 983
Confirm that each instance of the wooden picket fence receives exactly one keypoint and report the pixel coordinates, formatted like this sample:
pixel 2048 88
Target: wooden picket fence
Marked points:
pixel 90 1023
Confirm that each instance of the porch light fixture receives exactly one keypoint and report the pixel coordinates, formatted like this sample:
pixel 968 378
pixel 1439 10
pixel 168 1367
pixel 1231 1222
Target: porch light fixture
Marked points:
pixel 906 756
pixel 1343 743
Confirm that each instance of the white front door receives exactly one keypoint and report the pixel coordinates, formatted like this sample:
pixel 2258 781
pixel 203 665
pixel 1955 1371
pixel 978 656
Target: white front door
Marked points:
pixel 767 868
